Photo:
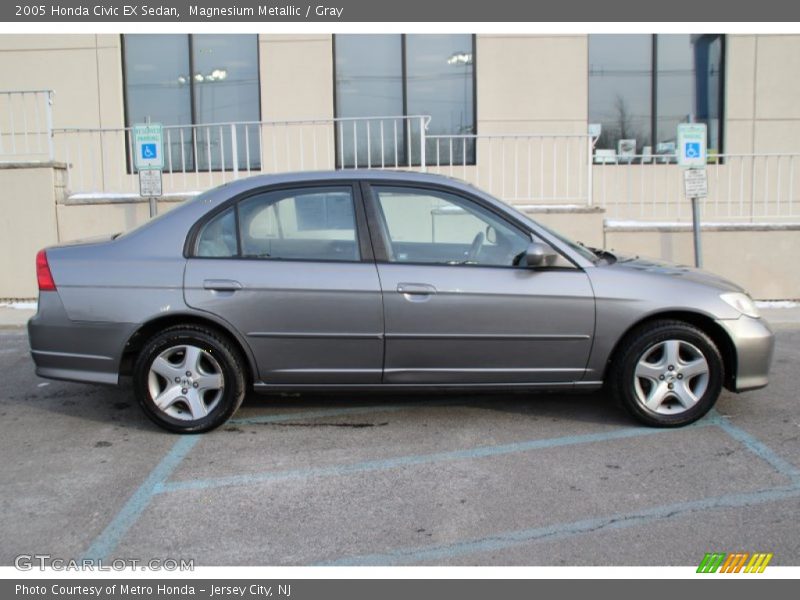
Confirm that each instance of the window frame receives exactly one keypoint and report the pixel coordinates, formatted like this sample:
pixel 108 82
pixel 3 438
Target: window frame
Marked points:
pixel 363 242
pixel 653 121
pixel 129 166
pixel 406 145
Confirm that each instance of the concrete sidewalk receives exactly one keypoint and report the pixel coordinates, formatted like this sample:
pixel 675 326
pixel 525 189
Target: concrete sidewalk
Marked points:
pixel 14 317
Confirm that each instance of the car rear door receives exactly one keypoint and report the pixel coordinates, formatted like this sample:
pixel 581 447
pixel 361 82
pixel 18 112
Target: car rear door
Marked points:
pixel 457 314
pixel 292 270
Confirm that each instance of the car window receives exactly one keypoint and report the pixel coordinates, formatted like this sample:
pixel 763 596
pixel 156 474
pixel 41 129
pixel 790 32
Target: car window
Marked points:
pixel 429 226
pixel 217 239
pixel 305 224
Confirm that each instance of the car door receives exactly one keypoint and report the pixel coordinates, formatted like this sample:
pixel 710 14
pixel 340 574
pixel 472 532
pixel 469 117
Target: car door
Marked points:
pixel 292 270
pixel 457 309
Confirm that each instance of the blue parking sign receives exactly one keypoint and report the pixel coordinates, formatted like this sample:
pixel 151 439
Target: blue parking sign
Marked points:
pixel 692 143
pixel 148 142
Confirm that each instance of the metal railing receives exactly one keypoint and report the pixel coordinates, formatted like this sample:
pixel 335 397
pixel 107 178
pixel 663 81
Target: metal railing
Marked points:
pixel 100 161
pixel 519 168
pixel 26 126
pixel 741 188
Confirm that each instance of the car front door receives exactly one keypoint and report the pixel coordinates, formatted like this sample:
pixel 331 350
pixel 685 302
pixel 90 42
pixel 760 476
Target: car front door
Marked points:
pixel 457 309
pixel 292 270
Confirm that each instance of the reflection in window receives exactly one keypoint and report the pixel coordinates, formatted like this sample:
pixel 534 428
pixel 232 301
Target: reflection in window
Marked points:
pixel 619 88
pixel 217 239
pixel 440 228
pixel 310 224
pixel 195 79
pixel 642 86
pixel 439 81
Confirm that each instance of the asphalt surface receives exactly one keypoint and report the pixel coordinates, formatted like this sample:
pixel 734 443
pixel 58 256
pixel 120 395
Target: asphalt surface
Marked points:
pixel 479 480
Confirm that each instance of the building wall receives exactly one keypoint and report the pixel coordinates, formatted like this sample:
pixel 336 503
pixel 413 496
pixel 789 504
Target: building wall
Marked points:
pixel 763 95
pixel 525 84
pixel 84 70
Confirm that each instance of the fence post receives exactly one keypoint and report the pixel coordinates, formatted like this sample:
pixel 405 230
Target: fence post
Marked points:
pixel 234 152
pixel 422 161
pixel 589 171
pixel 48 115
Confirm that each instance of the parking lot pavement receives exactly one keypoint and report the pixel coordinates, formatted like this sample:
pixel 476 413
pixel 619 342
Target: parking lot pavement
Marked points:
pixel 517 479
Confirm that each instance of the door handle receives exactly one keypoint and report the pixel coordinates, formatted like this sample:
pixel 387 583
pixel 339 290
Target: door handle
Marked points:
pixel 222 285
pixel 422 289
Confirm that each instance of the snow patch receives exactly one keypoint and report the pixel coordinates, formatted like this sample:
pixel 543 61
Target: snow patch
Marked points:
pixel 777 304
pixel 19 305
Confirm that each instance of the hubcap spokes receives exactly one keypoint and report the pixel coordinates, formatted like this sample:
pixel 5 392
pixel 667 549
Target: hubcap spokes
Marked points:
pixel 185 382
pixel 670 377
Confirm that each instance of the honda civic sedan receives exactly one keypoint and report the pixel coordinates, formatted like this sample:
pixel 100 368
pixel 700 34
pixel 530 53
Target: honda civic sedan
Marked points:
pixel 368 280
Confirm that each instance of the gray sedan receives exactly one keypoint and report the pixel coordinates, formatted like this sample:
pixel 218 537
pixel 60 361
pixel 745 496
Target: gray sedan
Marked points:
pixel 366 280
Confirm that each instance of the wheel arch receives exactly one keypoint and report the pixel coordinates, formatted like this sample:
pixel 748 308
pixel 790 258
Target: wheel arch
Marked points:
pixel 149 328
pixel 705 324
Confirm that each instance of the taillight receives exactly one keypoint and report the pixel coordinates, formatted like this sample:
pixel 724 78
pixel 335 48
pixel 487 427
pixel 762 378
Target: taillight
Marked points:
pixel 43 274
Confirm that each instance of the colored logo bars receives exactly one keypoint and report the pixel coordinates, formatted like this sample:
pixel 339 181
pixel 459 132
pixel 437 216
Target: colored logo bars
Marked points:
pixel 714 562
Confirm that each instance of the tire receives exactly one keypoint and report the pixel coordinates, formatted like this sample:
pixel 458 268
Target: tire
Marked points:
pixel 666 373
pixel 189 379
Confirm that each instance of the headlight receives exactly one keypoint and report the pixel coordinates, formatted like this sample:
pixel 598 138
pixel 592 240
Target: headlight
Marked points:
pixel 742 302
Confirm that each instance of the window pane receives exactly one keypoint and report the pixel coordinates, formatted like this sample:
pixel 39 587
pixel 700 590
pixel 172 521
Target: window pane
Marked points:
pixel 225 81
pixel 218 237
pixel 440 228
pixel 439 71
pixel 308 224
pixel 369 83
pixel 620 91
pixel 157 86
pixel 688 85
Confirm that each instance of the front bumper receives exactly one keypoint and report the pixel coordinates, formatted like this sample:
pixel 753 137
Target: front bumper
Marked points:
pixel 754 343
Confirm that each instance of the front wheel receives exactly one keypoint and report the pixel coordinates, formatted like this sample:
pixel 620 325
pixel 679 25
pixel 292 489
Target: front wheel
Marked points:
pixel 667 373
pixel 189 379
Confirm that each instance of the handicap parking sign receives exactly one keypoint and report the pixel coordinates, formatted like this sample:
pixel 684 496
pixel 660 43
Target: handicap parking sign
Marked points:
pixel 692 144
pixel 148 144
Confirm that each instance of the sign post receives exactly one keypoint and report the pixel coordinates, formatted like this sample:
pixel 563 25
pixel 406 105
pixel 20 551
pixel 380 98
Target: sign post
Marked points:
pixel 692 155
pixel 148 158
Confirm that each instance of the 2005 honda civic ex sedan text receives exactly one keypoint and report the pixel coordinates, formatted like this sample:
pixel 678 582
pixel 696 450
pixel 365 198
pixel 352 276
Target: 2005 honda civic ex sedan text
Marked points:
pixel 382 280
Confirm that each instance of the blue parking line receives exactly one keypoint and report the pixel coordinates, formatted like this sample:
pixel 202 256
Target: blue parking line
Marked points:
pixel 157 481
pixel 104 544
pixel 510 539
pixel 410 460
pixel 758 448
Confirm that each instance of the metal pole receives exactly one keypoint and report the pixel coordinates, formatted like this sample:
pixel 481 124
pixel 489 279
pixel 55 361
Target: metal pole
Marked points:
pixel 698 250
pixel 153 206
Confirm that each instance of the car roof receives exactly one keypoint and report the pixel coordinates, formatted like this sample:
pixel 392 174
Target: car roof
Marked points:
pixel 257 181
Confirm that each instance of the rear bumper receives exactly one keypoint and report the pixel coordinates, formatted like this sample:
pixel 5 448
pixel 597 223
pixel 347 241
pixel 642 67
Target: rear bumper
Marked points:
pixel 74 350
pixel 754 343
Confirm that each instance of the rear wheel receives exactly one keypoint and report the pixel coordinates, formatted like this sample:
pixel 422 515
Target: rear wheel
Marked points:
pixel 189 379
pixel 667 373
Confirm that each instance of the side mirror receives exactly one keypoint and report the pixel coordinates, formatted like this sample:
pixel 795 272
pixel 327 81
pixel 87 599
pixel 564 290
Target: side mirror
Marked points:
pixel 539 254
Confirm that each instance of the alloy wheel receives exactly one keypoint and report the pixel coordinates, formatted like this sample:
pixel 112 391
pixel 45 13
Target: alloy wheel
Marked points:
pixel 670 377
pixel 185 382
